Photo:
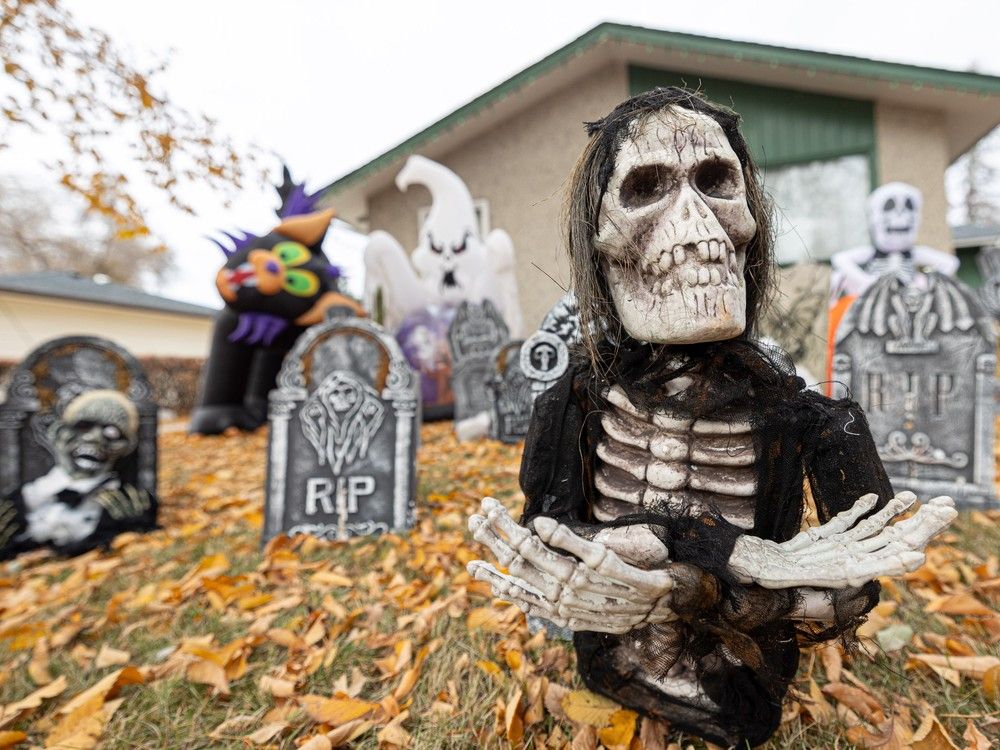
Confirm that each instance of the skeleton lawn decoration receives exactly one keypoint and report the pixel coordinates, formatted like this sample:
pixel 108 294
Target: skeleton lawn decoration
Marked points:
pixel 893 220
pixel 451 263
pixel 666 479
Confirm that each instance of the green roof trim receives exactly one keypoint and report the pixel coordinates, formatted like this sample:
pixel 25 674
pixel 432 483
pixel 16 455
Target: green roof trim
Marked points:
pixel 811 61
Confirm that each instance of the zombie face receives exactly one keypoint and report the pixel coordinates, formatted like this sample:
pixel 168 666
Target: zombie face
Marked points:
pixel 673 230
pixel 97 428
pixel 894 216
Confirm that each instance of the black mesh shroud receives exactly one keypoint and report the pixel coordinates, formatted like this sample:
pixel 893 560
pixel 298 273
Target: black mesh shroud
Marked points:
pixel 741 637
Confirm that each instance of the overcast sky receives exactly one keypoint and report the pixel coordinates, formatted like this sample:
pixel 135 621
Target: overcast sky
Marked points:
pixel 328 85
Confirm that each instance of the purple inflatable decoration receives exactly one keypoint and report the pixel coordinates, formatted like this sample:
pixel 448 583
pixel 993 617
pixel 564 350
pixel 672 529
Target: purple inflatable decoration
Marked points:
pixel 423 337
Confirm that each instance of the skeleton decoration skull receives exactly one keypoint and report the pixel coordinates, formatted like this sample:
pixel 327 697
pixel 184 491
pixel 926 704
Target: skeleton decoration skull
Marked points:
pixel 893 211
pixel 81 502
pixel 668 473
pixel 673 231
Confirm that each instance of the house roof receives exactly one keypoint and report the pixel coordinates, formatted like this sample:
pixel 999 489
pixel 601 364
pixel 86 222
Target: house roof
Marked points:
pixel 73 286
pixel 971 101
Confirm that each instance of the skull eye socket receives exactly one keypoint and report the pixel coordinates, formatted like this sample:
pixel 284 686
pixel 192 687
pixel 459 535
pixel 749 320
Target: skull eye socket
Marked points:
pixel 890 205
pixel 111 432
pixel 644 185
pixel 716 179
pixel 909 204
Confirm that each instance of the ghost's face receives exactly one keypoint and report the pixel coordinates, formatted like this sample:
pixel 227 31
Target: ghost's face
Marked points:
pixel 894 216
pixel 673 230
pixel 448 259
pixel 97 429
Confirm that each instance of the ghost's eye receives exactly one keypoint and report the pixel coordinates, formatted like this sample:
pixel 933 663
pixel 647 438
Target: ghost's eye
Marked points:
pixel 460 248
pixel 438 249
pixel 301 283
pixel 909 204
pixel 292 253
pixel 890 205
pixel 111 432
pixel 644 185
pixel 717 179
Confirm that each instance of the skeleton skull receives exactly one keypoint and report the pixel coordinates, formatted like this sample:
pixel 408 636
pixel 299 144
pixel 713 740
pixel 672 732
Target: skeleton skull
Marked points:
pixel 673 229
pixel 894 216
pixel 97 428
pixel 343 396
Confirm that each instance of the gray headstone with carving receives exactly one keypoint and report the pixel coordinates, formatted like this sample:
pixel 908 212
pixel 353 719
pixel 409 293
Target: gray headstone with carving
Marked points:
pixel 545 353
pixel 474 334
pixel 43 385
pixel 921 362
pixel 344 429
pixel 988 261
pixel 511 396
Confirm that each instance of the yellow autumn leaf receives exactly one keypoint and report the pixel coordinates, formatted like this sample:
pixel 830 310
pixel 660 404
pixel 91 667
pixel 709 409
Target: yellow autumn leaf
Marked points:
pixel 618 735
pixel 30 702
pixel 585 707
pixel 11 738
pixel 335 711
pixel 931 735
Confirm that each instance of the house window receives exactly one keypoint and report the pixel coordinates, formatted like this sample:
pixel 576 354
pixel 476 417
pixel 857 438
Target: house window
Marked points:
pixel 482 208
pixel 819 208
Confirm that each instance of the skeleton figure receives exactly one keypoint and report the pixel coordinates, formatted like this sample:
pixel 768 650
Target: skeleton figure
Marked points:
pixel 81 502
pixel 893 220
pixel 667 473
pixel 451 263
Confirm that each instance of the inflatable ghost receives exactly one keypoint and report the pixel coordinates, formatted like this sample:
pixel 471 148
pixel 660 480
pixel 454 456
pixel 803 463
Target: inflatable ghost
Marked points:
pixel 274 286
pixel 893 221
pixel 451 263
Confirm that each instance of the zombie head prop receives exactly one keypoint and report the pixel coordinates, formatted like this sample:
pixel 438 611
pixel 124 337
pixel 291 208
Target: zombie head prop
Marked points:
pixel 669 230
pixel 894 216
pixel 667 474
pixel 274 286
pixel 97 429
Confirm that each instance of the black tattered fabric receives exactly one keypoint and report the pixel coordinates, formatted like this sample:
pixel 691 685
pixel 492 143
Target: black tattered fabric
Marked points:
pixel 741 637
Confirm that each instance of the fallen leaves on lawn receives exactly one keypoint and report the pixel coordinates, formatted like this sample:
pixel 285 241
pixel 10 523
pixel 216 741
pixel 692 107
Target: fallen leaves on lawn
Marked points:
pixel 384 641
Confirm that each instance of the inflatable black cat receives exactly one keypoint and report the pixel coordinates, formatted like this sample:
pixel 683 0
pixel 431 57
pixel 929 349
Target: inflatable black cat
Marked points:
pixel 274 287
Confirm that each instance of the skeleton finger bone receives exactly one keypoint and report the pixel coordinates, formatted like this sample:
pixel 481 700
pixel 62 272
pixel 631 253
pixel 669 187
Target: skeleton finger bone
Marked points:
pixel 602 560
pixel 877 522
pixel 836 525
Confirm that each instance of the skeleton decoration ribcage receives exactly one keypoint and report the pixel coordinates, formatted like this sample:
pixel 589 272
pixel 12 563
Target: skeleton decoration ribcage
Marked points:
pixel 662 463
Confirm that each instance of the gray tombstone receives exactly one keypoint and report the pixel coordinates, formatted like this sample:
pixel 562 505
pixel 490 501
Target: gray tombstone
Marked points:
pixel 474 334
pixel 545 353
pixel 511 396
pixel 344 429
pixel 921 362
pixel 988 261
pixel 43 385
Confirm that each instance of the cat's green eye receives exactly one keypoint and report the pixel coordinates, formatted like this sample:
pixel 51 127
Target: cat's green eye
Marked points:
pixel 292 253
pixel 301 283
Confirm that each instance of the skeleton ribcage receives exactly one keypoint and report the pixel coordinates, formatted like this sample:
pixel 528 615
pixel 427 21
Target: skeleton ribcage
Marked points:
pixel 663 463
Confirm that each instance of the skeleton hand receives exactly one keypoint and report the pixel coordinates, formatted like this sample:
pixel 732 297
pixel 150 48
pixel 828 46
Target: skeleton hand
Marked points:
pixel 845 552
pixel 597 592
pixel 127 502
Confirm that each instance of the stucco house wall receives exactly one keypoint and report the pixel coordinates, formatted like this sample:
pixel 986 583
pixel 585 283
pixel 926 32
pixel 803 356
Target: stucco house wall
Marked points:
pixel 911 146
pixel 520 166
pixel 27 321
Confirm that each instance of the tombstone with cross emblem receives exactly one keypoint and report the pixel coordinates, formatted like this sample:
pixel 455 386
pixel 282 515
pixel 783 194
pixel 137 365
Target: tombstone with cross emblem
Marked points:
pixel 475 333
pixel 920 359
pixel 344 424
pixel 544 355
